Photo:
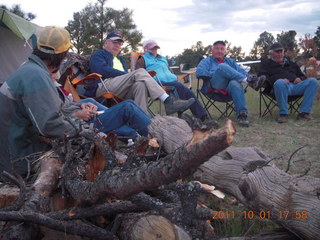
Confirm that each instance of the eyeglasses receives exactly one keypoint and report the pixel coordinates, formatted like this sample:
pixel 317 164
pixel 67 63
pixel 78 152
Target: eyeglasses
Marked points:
pixel 117 42
pixel 278 51
pixel 219 48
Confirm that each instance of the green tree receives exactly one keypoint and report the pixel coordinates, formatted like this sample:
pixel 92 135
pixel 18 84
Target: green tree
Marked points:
pixel 261 46
pixel 192 56
pixel 90 26
pixel 308 46
pixel 289 43
pixel 16 9
pixel 317 41
pixel 236 53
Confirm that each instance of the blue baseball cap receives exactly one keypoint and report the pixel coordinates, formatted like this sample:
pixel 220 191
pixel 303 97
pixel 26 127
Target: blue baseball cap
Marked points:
pixel 115 35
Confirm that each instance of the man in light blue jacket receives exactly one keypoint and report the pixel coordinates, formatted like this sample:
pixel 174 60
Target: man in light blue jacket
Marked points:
pixel 225 75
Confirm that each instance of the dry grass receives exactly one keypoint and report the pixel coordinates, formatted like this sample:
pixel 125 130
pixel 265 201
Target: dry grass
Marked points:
pixel 281 140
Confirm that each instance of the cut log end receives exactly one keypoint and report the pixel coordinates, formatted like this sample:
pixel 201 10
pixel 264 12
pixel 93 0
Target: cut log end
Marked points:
pixel 157 227
pixel 229 128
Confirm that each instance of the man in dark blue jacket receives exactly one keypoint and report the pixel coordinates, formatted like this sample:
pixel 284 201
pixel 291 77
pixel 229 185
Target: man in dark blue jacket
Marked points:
pixel 286 79
pixel 137 85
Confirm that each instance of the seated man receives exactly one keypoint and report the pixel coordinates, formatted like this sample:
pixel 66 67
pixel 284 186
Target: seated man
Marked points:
pixel 30 106
pixel 137 85
pixel 226 75
pixel 286 79
pixel 151 60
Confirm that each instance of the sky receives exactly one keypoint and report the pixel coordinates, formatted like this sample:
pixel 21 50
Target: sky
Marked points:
pixel 180 24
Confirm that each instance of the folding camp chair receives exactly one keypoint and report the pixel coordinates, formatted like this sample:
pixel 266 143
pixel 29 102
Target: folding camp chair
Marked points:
pixel 76 80
pixel 268 102
pixel 220 101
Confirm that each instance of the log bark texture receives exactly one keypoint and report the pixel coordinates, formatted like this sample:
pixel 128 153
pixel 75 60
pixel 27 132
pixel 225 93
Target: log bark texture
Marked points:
pixel 121 184
pixel 294 201
pixel 174 132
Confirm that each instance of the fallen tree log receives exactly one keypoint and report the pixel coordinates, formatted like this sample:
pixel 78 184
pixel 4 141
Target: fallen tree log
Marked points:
pixel 291 201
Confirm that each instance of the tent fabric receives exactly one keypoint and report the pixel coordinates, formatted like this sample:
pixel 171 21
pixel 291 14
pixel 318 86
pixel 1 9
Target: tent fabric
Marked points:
pixel 16 42
pixel 21 27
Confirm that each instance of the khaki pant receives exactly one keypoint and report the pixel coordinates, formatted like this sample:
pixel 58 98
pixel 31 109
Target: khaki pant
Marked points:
pixel 137 85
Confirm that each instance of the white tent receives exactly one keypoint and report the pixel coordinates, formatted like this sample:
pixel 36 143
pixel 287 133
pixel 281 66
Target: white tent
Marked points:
pixel 17 40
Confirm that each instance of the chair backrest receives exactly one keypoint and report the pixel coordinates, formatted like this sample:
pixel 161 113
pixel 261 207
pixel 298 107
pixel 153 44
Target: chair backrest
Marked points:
pixel 75 72
pixel 219 95
pixel 133 60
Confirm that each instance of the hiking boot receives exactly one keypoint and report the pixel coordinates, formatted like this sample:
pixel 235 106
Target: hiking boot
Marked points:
pixel 304 116
pixel 242 118
pixel 283 118
pixel 256 82
pixel 211 123
pixel 173 105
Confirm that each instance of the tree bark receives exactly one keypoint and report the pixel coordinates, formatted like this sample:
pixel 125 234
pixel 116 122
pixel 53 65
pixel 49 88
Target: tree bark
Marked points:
pixel 293 201
pixel 174 132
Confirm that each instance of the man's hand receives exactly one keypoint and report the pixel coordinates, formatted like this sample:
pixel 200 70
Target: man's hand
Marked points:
pixel 287 80
pixel 89 106
pixel 297 80
pixel 86 114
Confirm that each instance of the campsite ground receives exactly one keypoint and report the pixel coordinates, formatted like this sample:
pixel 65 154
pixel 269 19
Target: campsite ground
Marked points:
pixel 279 141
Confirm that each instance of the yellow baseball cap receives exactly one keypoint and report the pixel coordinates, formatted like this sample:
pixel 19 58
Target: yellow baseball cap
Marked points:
pixel 55 38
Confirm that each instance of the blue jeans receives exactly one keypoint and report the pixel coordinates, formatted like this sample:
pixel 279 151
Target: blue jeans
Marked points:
pixel 185 94
pixel 126 118
pixel 308 88
pixel 226 77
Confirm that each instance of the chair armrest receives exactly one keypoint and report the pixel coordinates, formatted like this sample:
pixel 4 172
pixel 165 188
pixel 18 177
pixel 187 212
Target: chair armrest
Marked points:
pixel 94 76
pixel 206 78
pixel 152 73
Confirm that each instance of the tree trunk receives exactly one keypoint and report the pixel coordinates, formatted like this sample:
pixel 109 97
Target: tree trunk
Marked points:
pixel 293 201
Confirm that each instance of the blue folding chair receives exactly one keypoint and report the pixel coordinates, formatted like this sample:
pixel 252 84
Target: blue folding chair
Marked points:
pixel 212 99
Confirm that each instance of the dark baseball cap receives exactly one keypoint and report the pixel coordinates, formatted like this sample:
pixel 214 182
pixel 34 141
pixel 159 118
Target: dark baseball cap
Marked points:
pixel 219 42
pixel 115 35
pixel 276 46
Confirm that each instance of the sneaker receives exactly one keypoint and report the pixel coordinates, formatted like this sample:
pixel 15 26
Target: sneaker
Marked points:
pixel 173 105
pixel 305 116
pixel 256 82
pixel 283 118
pixel 242 118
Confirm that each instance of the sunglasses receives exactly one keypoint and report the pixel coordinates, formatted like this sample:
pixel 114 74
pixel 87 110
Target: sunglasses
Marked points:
pixel 278 51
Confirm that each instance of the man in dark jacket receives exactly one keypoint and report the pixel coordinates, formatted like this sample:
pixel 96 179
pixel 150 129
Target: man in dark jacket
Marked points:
pixel 137 85
pixel 286 79
pixel 30 105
